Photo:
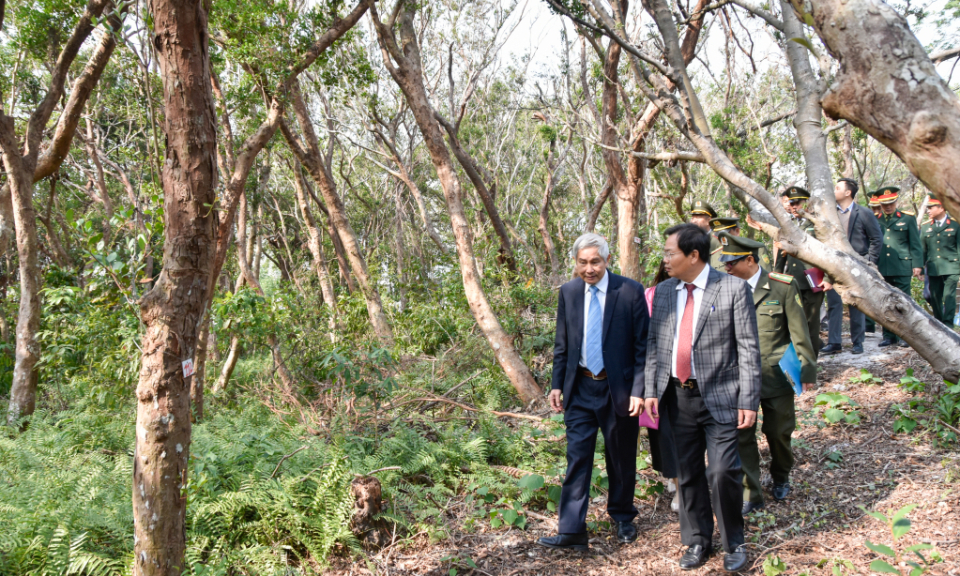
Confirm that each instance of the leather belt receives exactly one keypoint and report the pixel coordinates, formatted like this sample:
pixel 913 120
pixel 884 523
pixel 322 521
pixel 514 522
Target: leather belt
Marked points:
pixel 689 384
pixel 601 376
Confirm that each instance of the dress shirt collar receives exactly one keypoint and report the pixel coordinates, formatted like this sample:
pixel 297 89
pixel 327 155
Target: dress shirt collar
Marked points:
pixel 755 279
pixel 601 285
pixel 700 281
pixel 940 222
pixel 844 211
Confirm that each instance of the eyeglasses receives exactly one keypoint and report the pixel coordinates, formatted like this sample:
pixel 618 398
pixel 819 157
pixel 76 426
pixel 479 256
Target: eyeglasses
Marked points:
pixel 670 255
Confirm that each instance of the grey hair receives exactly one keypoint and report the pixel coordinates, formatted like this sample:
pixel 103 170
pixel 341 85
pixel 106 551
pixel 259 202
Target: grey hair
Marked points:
pixel 591 240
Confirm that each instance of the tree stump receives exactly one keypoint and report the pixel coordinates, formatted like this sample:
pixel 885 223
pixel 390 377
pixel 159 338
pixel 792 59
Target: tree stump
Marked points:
pixel 372 532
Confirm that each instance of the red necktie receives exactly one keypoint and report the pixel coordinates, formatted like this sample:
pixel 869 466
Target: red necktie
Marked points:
pixel 685 343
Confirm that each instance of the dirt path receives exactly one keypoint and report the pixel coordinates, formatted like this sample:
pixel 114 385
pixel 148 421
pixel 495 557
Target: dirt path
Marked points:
pixel 839 469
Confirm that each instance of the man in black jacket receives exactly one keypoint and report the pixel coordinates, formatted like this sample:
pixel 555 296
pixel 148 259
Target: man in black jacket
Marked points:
pixel 598 381
pixel 863 232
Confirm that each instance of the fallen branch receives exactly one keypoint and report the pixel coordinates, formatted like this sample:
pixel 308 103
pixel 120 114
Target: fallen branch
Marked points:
pixel 471 408
pixel 277 469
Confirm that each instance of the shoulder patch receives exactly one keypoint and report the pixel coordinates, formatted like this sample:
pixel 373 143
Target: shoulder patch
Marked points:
pixel 797 297
pixel 785 278
pixel 908 212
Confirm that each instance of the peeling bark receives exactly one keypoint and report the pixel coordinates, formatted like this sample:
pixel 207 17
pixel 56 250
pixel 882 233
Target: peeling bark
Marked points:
pixel 888 87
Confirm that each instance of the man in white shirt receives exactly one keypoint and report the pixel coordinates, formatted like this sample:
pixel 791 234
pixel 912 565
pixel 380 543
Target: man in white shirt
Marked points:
pixel 703 380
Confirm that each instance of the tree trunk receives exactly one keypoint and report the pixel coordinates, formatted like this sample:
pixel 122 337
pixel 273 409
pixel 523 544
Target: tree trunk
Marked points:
pixel 888 87
pixel 228 365
pixel 312 159
pixel 171 311
pixel 23 390
pixel 404 65
pixel 315 245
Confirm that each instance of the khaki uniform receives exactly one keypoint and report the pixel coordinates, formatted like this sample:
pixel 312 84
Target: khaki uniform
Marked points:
pixel 780 322
pixel 812 301
pixel 941 256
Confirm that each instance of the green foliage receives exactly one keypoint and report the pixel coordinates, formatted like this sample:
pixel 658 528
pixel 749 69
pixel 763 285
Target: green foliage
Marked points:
pixel 865 377
pixel 774 566
pixel 837 408
pixel 892 555
pixel 938 412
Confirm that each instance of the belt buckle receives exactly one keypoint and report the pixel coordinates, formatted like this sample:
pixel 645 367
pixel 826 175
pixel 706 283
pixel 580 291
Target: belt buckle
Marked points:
pixel 687 384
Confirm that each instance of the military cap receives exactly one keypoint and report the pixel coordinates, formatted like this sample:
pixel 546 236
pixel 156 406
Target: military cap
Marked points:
pixel 737 247
pixel 701 208
pixel 932 201
pixel 886 195
pixel 796 193
pixel 873 202
pixel 723 223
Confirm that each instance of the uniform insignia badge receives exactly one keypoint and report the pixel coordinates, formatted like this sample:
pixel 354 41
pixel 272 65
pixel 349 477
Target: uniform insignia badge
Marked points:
pixel 786 279
pixel 772 303
pixel 723 241
pixel 799 303
pixel 901 223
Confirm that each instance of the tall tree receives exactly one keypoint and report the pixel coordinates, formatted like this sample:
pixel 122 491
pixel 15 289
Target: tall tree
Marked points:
pixel 402 58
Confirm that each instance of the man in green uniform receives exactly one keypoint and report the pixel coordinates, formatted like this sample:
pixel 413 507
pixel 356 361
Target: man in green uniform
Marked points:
pixel 901 254
pixel 941 256
pixel 701 213
pixel 730 225
pixel 874 204
pixel 786 264
pixel 780 321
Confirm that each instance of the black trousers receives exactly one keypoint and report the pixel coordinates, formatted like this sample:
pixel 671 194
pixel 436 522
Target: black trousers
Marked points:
pixel 858 321
pixel 695 431
pixel 590 410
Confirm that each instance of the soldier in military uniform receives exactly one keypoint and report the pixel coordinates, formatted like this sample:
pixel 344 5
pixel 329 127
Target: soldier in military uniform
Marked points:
pixel 786 264
pixel 869 324
pixel 901 254
pixel 730 225
pixel 780 321
pixel 941 256
pixel 701 213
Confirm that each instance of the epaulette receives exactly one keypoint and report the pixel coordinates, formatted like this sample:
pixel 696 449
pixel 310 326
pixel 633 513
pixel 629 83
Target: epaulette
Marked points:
pixel 717 250
pixel 785 278
pixel 909 213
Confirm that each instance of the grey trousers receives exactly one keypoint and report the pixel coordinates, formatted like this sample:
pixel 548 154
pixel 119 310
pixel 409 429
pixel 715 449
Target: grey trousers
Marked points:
pixel 835 321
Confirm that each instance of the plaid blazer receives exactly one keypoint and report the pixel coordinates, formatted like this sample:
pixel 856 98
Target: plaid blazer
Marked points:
pixel 726 350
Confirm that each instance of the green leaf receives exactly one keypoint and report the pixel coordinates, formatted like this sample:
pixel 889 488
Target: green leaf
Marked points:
pixel 902 513
pixel 531 482
pixel 470 563
pixel 833 415
pixel 881 549
pixel 510 516
pixel 452 572
pixel 901 527
pixel 883 566
pixel 806 44
pixel 876 515
pixel 915 547
pixel 808 18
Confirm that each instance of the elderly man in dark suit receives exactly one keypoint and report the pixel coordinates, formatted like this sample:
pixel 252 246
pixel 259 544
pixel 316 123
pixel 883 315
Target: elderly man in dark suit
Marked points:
pixel 863 232
pixel 703 378
pixel 598 359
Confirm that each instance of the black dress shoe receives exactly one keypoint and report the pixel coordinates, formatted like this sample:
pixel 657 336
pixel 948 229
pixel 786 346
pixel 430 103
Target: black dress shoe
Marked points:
pixel 857 350
pixel 626 532
pixel 578 542
pixel 831 349
pixel 749 507
pixel 695 557
pixel 737 560
pixel 886 342
pixel 781 491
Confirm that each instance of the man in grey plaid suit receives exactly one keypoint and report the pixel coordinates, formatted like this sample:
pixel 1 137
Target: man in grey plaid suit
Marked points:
pixel 703 377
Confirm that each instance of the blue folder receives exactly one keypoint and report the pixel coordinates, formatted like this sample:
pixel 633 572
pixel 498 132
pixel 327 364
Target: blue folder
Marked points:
pixel 790 364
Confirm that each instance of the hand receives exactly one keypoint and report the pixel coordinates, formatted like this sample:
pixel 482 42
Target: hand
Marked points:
pixel 807 386
pixel 747 418
pixel 651 407
pixel 826 286
pixel 636 406
pixel 555 402
pixel 752 223
pixel 776 245
pixel 918 273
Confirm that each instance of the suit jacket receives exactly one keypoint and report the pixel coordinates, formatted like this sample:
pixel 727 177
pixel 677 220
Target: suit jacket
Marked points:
pixel 726 350
pixel 864 232
pixel 901 251
pixel 625 320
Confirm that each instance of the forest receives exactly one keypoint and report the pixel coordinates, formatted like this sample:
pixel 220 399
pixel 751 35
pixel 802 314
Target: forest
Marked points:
pixel 278 280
